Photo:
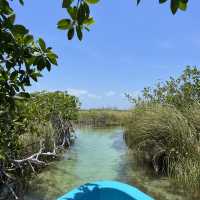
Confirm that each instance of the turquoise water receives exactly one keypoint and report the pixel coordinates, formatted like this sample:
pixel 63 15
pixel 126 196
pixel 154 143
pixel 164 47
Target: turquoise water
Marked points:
pixel 99 154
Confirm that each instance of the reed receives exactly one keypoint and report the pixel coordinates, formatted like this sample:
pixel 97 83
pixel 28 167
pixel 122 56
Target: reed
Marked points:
pixel 168 139
pixel 103 117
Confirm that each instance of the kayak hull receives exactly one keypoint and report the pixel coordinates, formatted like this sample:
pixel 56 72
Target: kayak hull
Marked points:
pixel 106 190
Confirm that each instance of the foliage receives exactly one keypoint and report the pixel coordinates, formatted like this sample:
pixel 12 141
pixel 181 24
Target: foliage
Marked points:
pixel 38 129
pixel 21 62
pixel 21 58
pixel 49 104
pixel 79 17
pixel 40 112
pixel 164 127
pixel 35 113
pixel 102 117
pixel 174 4
pixel 163 136
pixel 179 92
pixel 161 126
pixel 192 113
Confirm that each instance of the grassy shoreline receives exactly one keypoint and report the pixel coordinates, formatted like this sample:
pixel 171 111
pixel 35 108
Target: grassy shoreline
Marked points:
pixel 102 117
pixel 164 128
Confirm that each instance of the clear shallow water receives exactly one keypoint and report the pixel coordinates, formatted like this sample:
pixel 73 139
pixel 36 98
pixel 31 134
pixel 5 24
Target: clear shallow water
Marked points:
pixel 99 154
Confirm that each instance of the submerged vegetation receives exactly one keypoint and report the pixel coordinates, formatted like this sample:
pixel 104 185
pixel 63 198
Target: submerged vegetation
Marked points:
pixel 164 128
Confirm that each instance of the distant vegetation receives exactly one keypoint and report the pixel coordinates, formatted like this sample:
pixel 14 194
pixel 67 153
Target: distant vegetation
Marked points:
pixel 103 117
pixel 164 128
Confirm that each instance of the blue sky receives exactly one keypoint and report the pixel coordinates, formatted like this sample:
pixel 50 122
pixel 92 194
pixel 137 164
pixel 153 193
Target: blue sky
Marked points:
pixel 127 49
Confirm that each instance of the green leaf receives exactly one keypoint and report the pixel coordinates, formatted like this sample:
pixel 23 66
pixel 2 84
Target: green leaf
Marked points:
pixel 21 2
pixel 81 14
pixel 42 44
pixel 52 58
pixel 24 94
pixel 40 61
pixel 14 75
pixel 72 12
pixel 64 24
pixel 48 65
pixel 11 18
pixel 28 39
pixel 87 29
pixel 79 33
pixel 92 1
pixel 183 5
pixel 89 21
pixel 162 1
pixel 4 75
pixel 9 65
pixel 70 34
pixel 19 29
pixel 174 6
pixel 35 75
pixel 67 3
pixel 87 10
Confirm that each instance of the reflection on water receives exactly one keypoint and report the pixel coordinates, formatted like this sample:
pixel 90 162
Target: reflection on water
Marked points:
pixel 98 154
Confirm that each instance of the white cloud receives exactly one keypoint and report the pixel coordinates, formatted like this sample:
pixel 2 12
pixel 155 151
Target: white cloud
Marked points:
pixel 83 93
pixel 98 100
pixel 110 93
pixel 93 96
pixel 87 96
pixel 77 92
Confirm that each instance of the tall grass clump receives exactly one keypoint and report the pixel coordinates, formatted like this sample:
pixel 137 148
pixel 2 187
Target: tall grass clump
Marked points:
pixel 164 127
pixel 192 113
pixel 186 172
pixel 163 137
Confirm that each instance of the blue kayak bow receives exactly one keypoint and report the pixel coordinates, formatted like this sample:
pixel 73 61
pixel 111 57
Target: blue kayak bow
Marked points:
pixel 105 190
